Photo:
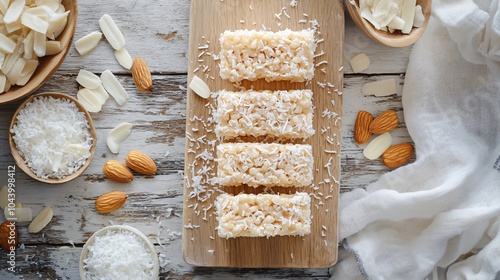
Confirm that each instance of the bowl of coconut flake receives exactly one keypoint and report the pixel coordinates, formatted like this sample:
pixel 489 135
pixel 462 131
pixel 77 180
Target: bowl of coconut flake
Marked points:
pixel 52 138
pixel 119 252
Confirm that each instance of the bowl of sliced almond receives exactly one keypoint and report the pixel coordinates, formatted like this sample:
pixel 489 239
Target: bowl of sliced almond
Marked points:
pixel 34 49
pixel 394 23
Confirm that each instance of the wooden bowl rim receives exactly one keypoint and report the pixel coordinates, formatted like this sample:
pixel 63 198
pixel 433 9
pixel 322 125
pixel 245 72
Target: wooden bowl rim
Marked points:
pixel 396 40
pixel 138 233
pixel 43 75
pixel 20 160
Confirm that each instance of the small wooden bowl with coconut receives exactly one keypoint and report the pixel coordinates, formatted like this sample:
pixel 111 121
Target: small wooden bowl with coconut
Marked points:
pixel 52 138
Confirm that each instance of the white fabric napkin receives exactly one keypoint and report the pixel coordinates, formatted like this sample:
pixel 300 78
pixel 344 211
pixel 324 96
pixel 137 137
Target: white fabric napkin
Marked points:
pixel 439 217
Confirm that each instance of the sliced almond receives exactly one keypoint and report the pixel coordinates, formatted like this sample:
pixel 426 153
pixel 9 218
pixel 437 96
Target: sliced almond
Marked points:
pixel 29 43
pixel 419 18
pixel 117 135
pixel 408 15
pixel 78 150
pixel 114 87
pixel 101 93
pixel 52 47
pixel 14 11
pixel 124 58
pixel 56 161
pixel 15 72
pixel 27 72
pixel 39 46
pixel 57 23
pixel 14 26
pixel 199 87
pixel 18 214
pixel 380 88
pixel 359 63
pixel 9 61
pixel 7 87
pixel 89 100
pixel 52 5
pixel 3 80
pixel 378 146
pixel 88 42
pixel 35 23
pixel 4 6
pixel 7 46
pixel 112 32
pixel 41 220
pixel 88 79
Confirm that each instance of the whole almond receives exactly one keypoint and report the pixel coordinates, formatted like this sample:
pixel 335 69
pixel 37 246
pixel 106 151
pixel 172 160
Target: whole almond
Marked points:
pixel 385 122
pixel 141 163
pixel 398 155
pixel 8 236
pixel 142 75
pixel 361 132
pixel 109 202
pixel 117 171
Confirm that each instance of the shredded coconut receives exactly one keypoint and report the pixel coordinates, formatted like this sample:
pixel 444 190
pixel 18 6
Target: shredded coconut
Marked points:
pixel 53 137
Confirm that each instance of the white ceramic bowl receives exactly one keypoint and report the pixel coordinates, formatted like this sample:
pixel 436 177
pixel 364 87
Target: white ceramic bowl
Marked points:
pixel 142 236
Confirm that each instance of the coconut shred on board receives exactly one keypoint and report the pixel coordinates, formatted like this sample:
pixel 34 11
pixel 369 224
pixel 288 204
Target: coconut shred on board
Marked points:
pixel 52 135
pixel 119 255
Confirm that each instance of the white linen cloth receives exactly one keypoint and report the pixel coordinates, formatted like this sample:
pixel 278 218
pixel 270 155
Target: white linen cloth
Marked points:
pixel 426 215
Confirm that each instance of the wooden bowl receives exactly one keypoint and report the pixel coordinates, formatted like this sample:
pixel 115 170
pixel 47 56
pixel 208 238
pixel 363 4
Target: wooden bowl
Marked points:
pixel 103 231
pixel 20 160
pixel 48 64
pixel 396 39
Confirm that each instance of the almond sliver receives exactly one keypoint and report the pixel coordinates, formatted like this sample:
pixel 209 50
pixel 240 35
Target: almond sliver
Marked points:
pixel 41 220
pixel 8 62
pixel 114 87
pixel 117 135
pixel 199 87
pixel 124 58
pixel 3 80
pixel 112 32
pixel 88 42
pixel 14 11
pixel 15 72
pixel 78 150
pixel 27 72
pixel 89 100
pixel 7 46
pixel 40 44
pixel 88 79
pixel 52 5
pixel 52 47
pixel 34 22
pixel 378 146
pixel 101 93
pixel 57 23
pixel 29 43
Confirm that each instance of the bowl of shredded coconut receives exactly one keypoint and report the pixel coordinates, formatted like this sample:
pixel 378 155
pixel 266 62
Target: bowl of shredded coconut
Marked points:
pixel 119 252
pixel 52 138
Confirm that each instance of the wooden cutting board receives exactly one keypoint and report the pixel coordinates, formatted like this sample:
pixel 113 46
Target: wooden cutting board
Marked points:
pixel 208 19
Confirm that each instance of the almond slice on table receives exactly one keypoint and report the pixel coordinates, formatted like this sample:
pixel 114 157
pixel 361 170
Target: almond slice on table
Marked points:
pixel 380 88
pixel 359 63
pixel 112 32
pixel 378 146
pixel 199 87
pixel 114 87
pixel 88 42
pixel 101 93
pixel 18 214
pixel 124 58
pixel 52 47
pixel 89 100
pixel 41 220
pixel 117 135
pixel 88 79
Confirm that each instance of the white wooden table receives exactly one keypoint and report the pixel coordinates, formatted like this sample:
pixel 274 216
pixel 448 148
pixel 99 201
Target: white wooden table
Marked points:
pixel 157 31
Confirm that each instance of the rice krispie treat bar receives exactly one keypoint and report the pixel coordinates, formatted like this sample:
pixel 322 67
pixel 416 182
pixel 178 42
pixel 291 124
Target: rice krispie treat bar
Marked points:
pixel 263 215
pixel 283 114
pixel 274 56
pixel 269 165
